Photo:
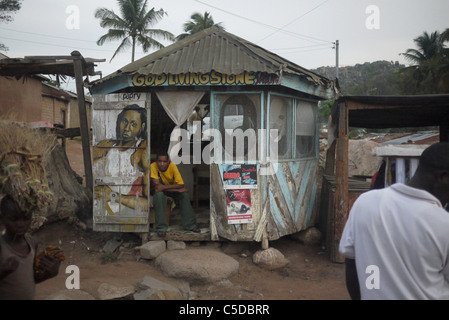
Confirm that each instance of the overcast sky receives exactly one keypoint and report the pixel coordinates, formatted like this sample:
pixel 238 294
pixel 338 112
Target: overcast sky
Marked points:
pixel 302 31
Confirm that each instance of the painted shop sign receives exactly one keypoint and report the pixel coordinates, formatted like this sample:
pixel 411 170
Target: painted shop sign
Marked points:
pixel 211 78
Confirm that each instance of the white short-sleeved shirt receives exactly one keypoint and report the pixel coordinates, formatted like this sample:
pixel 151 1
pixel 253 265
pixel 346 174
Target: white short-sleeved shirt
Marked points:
pixel 399 238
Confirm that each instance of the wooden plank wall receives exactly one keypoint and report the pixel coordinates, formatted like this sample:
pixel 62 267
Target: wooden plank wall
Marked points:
pixel 341 203
pixel 282 204
pixel 219 220
pixel 293 197
pixel 127 219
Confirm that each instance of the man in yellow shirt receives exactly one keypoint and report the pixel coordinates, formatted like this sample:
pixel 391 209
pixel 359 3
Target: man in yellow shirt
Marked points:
pixel 167 182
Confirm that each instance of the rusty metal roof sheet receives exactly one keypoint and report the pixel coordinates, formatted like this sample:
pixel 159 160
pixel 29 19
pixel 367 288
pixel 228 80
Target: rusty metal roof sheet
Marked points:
pixel 396 111
pixel 32 65
pixel 214 49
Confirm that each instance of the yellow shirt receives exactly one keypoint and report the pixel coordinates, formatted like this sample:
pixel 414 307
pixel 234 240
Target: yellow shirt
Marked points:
pixel 169 177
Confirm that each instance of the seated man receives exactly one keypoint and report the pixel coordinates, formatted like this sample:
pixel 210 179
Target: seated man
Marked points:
pixel 166 181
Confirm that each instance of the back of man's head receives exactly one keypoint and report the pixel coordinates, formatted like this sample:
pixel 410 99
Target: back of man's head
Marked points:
pixel 432 174
pixel 435 158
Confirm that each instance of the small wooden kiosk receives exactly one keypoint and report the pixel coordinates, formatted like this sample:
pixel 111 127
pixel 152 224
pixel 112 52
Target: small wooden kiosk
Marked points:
pixel 227 83
pixel 372 112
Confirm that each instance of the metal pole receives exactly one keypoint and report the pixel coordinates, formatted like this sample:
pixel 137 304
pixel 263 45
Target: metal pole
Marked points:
pixel 84 127
pixel 336 58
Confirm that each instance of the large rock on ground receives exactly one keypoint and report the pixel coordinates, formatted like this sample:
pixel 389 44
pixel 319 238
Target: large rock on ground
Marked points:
pixel 154 289
pixel 197 265
pixel 108 291
pixel 152 249
pixel 270 259
pixel 309 237
pixel 67 294
pixel 175 245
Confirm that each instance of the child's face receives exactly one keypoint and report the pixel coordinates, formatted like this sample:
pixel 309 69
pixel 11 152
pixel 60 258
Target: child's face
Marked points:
pixel 16 222
pixel 162 163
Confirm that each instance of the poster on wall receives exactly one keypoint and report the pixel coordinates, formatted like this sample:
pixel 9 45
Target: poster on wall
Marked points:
pixel 249 176
pixel 240 176
pixel 238 203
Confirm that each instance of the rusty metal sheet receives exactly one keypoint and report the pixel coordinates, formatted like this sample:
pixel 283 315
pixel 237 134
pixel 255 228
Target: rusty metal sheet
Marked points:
pixel 216 50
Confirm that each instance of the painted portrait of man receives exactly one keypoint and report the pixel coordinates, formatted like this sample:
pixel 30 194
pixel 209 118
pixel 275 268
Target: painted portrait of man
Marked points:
pixel 123 160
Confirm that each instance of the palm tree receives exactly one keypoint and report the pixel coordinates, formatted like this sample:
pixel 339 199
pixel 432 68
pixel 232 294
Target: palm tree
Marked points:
pixel 445 35
pixel 197 23
pixel 444 66
pixel 429 71
pixel 429 46
pixel 132 26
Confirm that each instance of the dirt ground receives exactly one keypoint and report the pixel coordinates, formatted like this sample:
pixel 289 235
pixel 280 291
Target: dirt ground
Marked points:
pixel 310 275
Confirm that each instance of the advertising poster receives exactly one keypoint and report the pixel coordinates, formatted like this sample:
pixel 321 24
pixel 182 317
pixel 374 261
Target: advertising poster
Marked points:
pixel 249 175
pixel 239 206
pixel 232 177
pixel 240 176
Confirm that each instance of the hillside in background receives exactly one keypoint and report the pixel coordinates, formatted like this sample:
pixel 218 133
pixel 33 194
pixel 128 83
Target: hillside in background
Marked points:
pixel 369 78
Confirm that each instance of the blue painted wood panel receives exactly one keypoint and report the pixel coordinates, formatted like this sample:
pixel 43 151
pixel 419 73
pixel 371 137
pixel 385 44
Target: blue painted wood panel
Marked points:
pixel 294 200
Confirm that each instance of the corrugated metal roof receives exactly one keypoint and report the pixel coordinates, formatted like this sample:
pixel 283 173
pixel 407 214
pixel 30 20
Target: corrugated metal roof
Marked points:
pixel 46 65
pixel 214 49
pixel 396 111
pixel 413 138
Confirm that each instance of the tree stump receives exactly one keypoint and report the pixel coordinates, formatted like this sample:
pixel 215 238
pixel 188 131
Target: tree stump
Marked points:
pixel 72 200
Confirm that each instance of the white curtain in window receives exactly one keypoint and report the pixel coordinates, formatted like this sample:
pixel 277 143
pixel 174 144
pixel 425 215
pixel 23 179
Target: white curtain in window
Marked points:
pixel 179 106
pixel 305 119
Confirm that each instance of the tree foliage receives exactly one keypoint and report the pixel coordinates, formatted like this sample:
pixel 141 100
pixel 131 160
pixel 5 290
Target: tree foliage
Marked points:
pixel 198 23
pixel 427 74
pixel 429 69
pixel 7 8
pixel 369 78
pixel 132 26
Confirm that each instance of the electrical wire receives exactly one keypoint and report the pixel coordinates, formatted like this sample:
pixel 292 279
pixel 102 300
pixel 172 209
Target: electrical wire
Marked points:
pixel 54 45
pixel 293 48
pixel 294 20
pixel 48 36
pixel 295 34
pixel 300 51
pixel 276 29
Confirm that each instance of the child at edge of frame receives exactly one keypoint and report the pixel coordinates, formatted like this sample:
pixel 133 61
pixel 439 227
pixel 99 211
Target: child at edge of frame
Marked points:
pixel 20 267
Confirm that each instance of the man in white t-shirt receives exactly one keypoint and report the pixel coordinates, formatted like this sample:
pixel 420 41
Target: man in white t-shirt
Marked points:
pixel 396 240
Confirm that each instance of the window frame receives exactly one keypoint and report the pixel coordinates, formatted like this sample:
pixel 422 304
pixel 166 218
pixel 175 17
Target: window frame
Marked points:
pixel 216 121
pixel 316 139
pixel 292 127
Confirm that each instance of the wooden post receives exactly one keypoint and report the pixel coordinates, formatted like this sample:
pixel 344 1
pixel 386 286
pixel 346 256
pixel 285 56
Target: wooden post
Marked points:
pixel 326 211
pixel 84 127
pixel 329 167
pixel 341 206
pixel 265 242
